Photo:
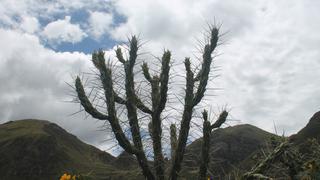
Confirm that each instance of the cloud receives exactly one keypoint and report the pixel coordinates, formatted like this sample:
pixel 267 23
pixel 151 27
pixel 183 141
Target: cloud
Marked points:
pixel 100 23
pixel 35 87
pixel 269 58
pixel 175 25
pixel 63 31
pixel 268 72
pixel 30 24
pixel 11 11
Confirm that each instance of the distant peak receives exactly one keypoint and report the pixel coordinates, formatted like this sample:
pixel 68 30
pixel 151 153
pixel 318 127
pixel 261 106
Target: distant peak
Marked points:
pixel 315 117
pixel 28 121
pixel 311 130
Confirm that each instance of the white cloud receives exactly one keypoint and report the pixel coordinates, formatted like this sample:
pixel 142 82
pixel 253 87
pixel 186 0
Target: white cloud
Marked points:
pixel 269 70
pixel 270 62
pixel 30 24
pixel 11 10
pixel 63 31
pixel 100 23
pixel 35 85
pixel 176 24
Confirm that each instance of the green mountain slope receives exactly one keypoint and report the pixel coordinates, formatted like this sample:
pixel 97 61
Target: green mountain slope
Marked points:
pixel 311 130
pixel 34 149
pixel 229 148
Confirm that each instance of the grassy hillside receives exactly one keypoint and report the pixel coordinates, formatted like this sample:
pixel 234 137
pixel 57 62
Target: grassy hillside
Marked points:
pixel 34 149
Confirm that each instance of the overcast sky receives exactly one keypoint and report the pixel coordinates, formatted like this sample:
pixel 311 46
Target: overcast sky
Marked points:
pixel 269 57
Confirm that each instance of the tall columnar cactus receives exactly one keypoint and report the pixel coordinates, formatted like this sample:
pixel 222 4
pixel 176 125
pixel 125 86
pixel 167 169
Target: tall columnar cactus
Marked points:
pixel 195 90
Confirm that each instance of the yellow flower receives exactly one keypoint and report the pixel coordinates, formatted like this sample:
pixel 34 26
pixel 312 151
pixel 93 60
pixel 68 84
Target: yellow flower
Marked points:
pixel 74 177
pixel 65 177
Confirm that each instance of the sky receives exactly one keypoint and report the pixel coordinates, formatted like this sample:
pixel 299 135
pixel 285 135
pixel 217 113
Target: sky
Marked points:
pixel 268 57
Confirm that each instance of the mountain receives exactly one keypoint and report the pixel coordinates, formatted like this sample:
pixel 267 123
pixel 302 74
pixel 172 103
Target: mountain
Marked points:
pixel 35 149
pixel 229 148
pixel 311 130
pixel 125 161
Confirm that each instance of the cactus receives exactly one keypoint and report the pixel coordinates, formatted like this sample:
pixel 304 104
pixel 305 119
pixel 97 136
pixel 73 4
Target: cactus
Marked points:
pixel 205 149
pixel 286 154
pixel 173 139
pixel 192 99
pixel 195 89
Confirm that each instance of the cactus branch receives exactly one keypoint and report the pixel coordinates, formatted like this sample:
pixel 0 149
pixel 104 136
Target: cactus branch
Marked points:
pixel 203 74
pixel 132 109
pixel 207 130
pixel 164 78
pixel 119 55
pixel 120 136
pixel 267 162
pixel 185 124
pixel 145 70
pixel 86 104
pixel 139 103
pixel 173 139
pixel 205 158
pixel 222 119
pixel 191 99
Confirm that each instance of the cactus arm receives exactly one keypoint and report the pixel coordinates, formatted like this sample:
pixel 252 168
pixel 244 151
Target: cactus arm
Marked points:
pixel 205 157
pixel 222 119
pixel 141 106
pixel 173 139
pixel 185 124
pixel 85 102
pixel 130 63
pixel 123 141
pixel 118 99
pixel 106 80
pixel 157 129
pixel 132 108
pixel 119 55
pixel 267 162
pixel 205 149
pixel 192 99
pixel 146 73
pixel 159 89
pixel 164 79
pixel 203 74
pixel 139 103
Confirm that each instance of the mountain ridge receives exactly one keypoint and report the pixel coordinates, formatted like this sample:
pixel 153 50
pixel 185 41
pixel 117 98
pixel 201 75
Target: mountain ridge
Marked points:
pixel 43 149
pixel 35 149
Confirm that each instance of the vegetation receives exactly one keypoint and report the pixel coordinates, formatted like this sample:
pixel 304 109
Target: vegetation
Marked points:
pixel 195 89
pixel 282 153
pixel 290 161
pixel 207 129
pixel 66 176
